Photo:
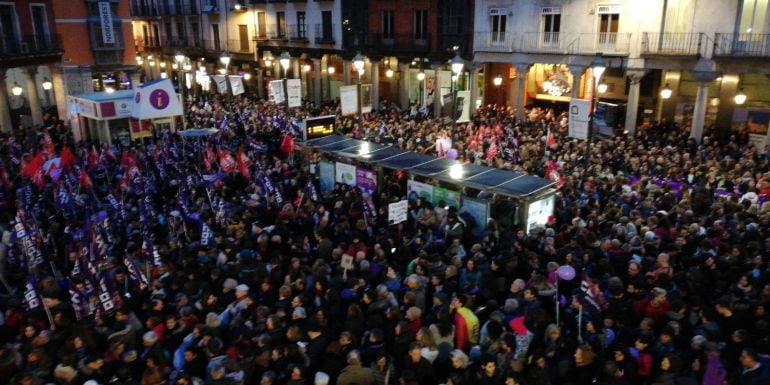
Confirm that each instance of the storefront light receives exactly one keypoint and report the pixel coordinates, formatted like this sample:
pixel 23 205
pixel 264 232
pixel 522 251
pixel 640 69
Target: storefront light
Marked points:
pixel 498 80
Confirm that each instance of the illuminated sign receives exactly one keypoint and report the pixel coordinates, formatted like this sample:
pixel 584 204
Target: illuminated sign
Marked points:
pixel 498 11
pixel 551 10
pixel 319 127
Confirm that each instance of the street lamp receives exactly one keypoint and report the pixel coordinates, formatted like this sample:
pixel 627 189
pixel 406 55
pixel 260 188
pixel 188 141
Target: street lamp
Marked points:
pixel 457 68
pixel 358 63
pixel 47 85
pixel 740 97
pixel 602 88
pixel 225 59
pixel 498 80
pixel 666 92
pixel 389 73
pixel 16 90
pixel 331 70
pixel 598 67
pixel 285 61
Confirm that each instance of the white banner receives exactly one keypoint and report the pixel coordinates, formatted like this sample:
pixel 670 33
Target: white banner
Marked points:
pixel 464 104
pixel 221 82
pixel 349 100
pixel 236 83
pixel 105 16
pixel 275 91
pixel 579 111
pixel 345 173
pixel 397 212
pixel 294 91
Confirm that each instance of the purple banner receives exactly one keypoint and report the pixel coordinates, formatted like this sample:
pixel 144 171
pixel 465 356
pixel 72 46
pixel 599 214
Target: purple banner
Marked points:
pixel 366 180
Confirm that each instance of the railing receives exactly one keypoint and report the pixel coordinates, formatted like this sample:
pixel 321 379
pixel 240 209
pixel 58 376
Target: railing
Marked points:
pixel 611 43
pixel 743 44
pixel 399 41
pixel 275 33
pixel 297 32
pixel 672 43
pixel 30 44
pixel 178 42
pixel 239 46
pixel 212 45
pixel 108 57
pixel 322 36
pixel 493 41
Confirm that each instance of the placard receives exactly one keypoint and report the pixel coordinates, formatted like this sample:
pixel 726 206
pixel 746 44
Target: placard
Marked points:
pixel 415 189
pixel 349 100
pixel 397 212
pixel 326 176
pixel 463 106
pixel 346 262
pixel 538 212
pixel 294 91
pixel 579 111
pixel 345 173
pixel 366 180
pixel 275 91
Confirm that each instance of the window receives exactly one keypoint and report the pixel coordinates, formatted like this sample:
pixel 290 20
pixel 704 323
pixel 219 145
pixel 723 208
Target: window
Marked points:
pixel 180 31
pixel 281 17
pixel 301 26
pixel 420 24
pixel 752 16
pixel 39 20
pixel 243 37
pixel 261 24
pixel 608 28
pixel 551 25
pixel 169 32
pixel 215 36
pixel 8 28
pixel 497 23
pixel 145 35
pixel 326 25
pixel 156 35
pixel 387 25
pixel 678 15
pixel 196 33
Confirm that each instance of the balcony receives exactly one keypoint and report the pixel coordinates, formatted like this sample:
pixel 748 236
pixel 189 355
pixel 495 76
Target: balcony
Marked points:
pixel 672 44
pixel 239 46
pixel 30 45
pixel 298 32
pixel 743 45
pixel 324 35
pixel 493 42
pixel 275 33
pixel 608 43
pixel 401 42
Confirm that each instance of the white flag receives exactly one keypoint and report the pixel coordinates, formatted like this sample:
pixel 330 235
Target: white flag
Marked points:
pixel 236 83
pixel 221 82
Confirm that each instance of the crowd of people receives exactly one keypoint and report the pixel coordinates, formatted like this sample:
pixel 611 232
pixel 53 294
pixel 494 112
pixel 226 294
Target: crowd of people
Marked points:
pixel 218 260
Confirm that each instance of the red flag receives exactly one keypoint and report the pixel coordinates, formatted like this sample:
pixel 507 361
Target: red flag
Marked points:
pixel 226 162
pixel 84 179
pixel 493 150
pixel 552 173
pixel 209 157
pixel 287 144
pixel 243 164
pixel 93 157
pixel 550 141
pixel 128 160
pixel 67 158
pixel 34 166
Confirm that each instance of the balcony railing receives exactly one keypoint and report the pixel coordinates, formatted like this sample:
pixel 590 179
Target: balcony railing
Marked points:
pixel 493 42
pixel 275 33
pixel 239 46
pixel 324 36
pixel 212 45
pixel 29 44
pixel 399 41
pixel 297 32
pixel 742 45
pixel 672 43
pixel 611 43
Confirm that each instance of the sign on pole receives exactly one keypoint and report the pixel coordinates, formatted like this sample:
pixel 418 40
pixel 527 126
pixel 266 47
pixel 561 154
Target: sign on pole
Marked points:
pixel 579 111
pixel 349 100
pixel 397 212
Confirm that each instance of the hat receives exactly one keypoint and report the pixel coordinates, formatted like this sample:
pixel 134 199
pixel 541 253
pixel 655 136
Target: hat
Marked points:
pixel 150 337
pixel 300 312
pixel 517 324
pixel 242 288
pixel 656 292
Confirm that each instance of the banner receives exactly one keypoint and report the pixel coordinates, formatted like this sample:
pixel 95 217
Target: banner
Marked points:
pixel 397 212
pixel 415 189
pixel 463 106
pixel 345 173
pixel 579 111
pixel 349 100
pixel 156 99
pixel 366 98
pixel 275 91
pixel 450 198
pixel 366 180
pixel 236 83
pixel 326 175
pixel 538 212
pixel 221 82
pixel 105 16
pixel 294 91
pixel 140 131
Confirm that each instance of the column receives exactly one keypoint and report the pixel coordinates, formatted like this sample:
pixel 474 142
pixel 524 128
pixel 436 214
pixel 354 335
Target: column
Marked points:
pixel 632 107
pixel 261 83
pixel 699 112
pixel 6 124
pixel 317 82
pixel 325 77
pixel 521 88
pixel 375 75
pixel 474 89
pixel 59 92
pixel 34 100
pixel 403 71
pixel 346 72
pixel 437 91
pixel 295 69
pixel 577 73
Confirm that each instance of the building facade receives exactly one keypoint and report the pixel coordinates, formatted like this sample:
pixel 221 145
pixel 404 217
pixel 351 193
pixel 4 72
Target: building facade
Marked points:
pixel 30 47
pixel 705 51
